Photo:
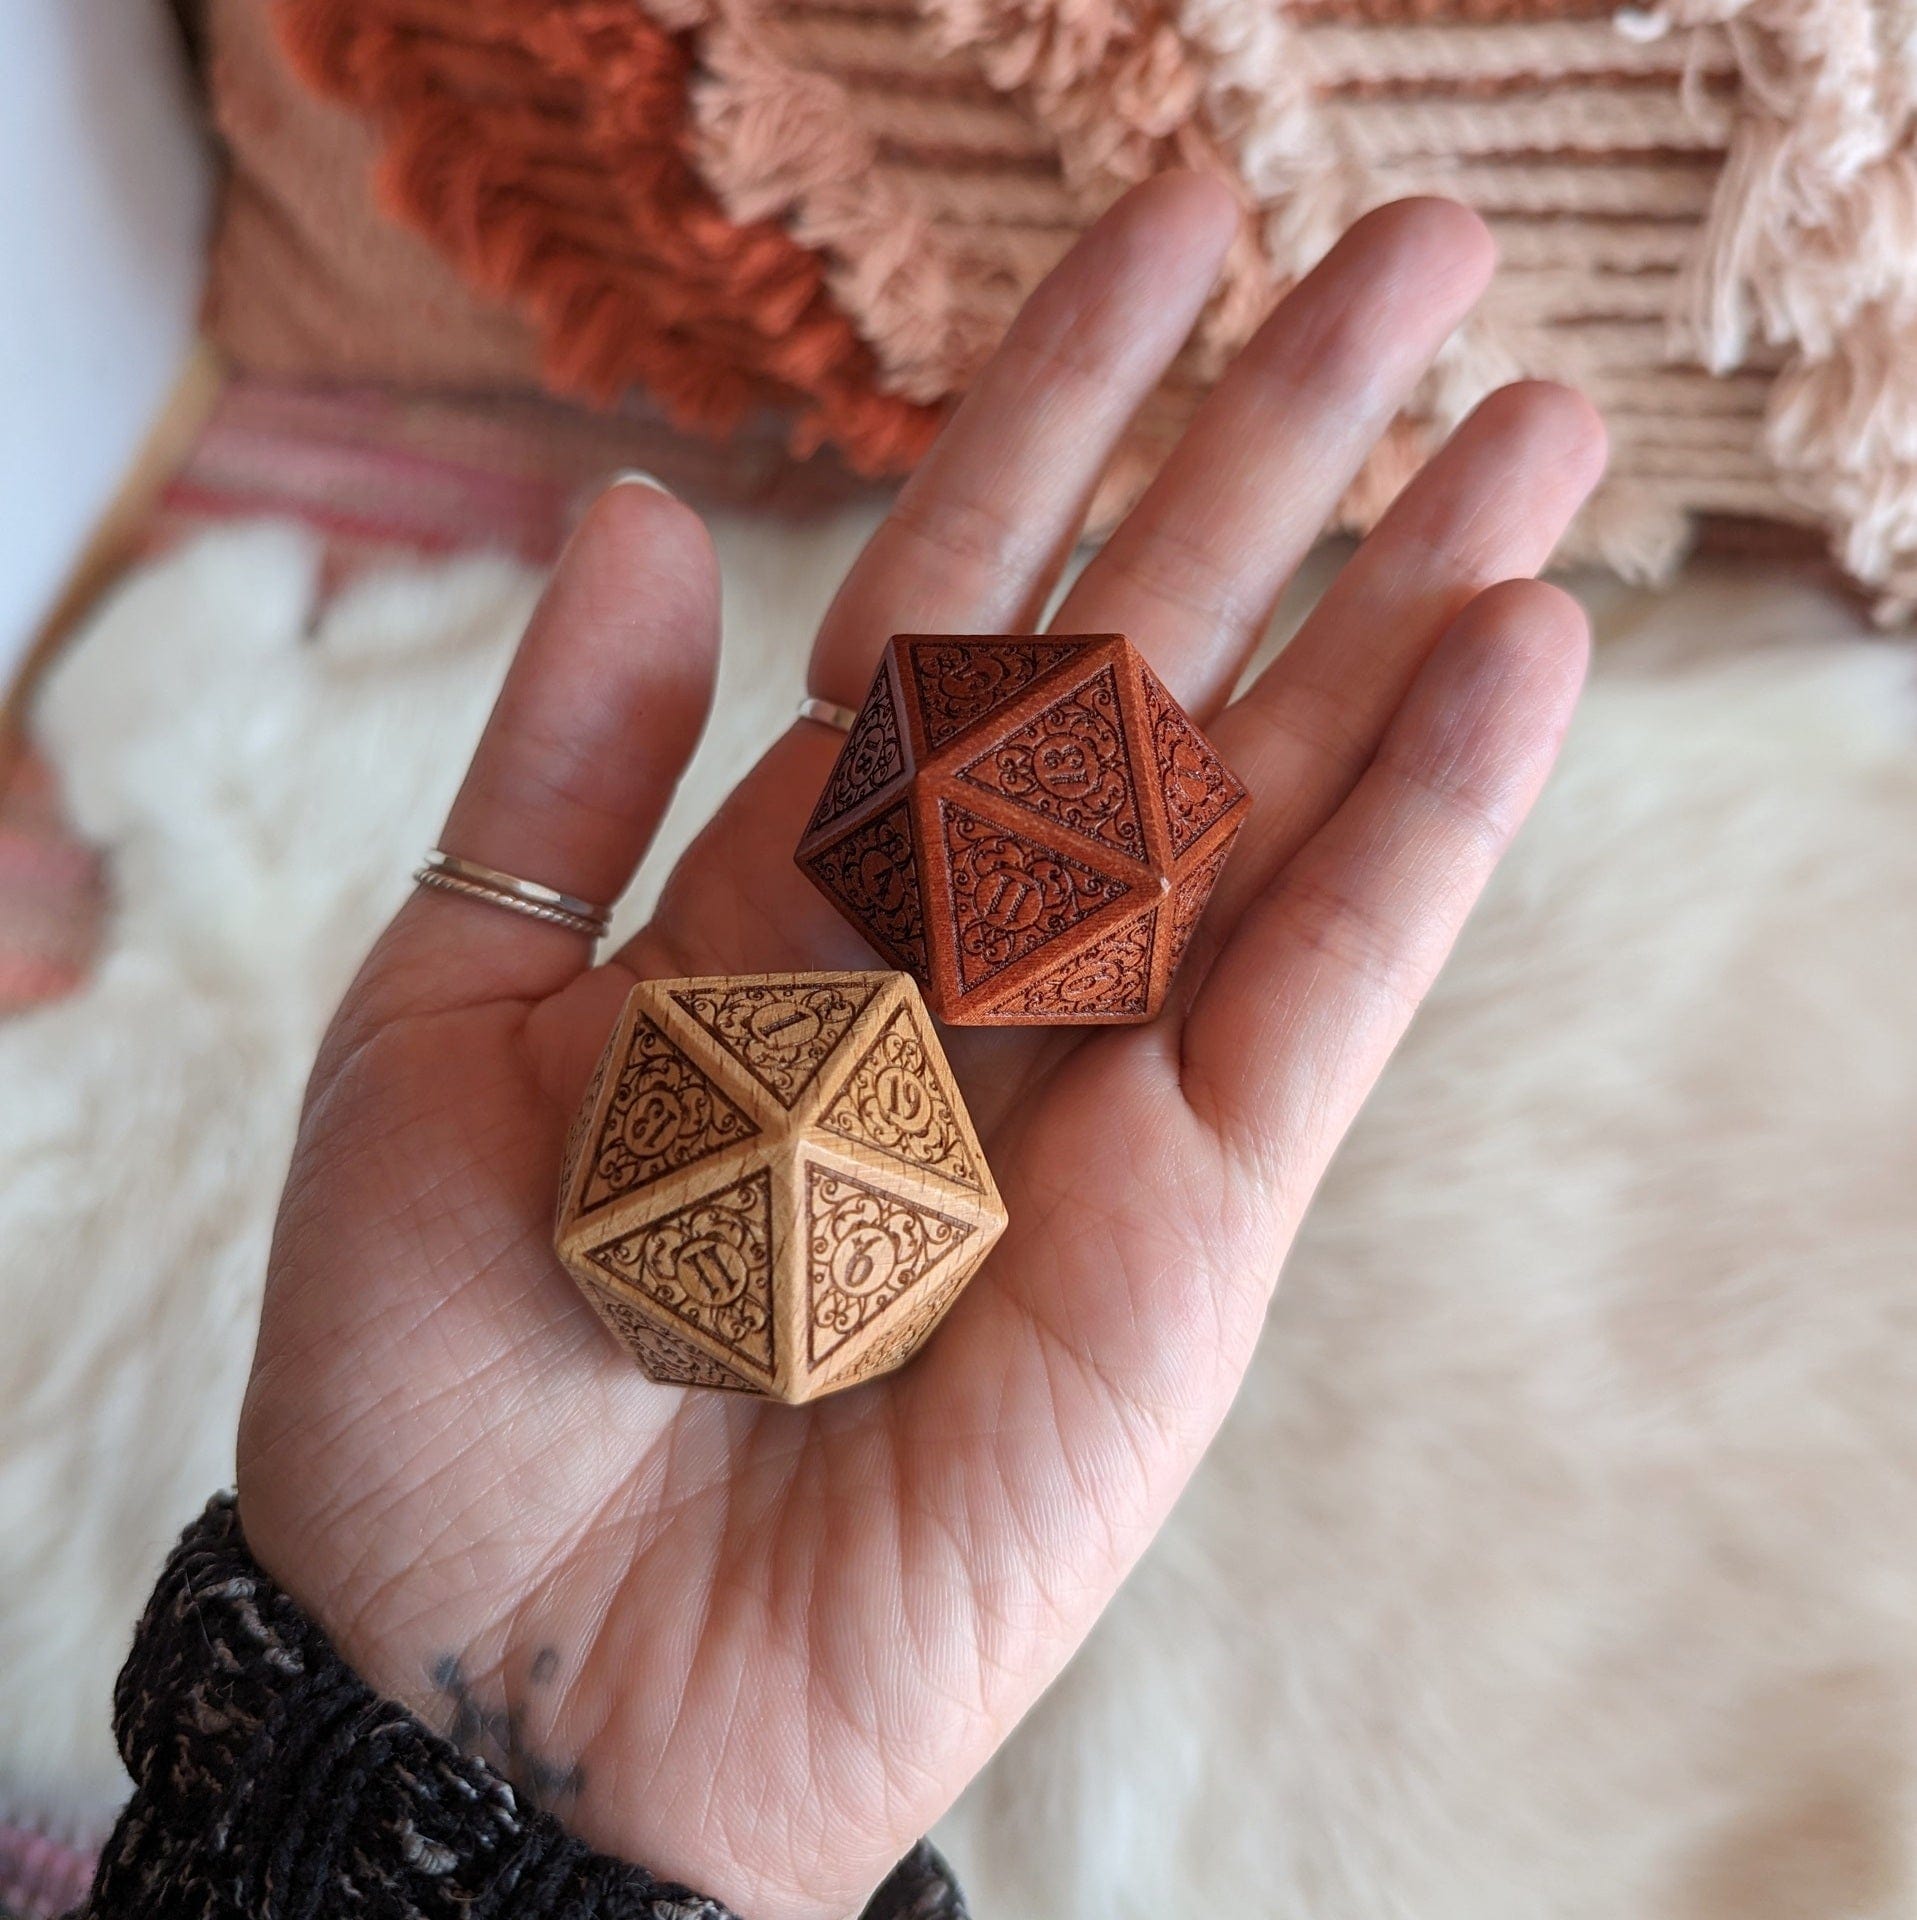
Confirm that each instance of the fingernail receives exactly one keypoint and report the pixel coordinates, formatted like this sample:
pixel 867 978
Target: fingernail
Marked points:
pixel 635 477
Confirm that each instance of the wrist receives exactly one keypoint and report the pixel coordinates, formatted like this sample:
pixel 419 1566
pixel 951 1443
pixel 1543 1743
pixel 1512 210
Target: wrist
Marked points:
pixel 514 1675
pixel 417 1632
pixel 269 1779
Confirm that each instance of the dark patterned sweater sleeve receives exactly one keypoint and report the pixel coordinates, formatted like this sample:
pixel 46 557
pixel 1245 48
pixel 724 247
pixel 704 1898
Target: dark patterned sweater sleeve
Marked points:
pixel 271 1783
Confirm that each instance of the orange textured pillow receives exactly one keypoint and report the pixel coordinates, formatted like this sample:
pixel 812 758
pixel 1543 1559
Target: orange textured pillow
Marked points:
pixel 491 196
pixel 541 143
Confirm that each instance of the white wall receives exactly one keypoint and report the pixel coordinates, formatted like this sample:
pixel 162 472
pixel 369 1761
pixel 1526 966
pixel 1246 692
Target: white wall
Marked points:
pixel 105 187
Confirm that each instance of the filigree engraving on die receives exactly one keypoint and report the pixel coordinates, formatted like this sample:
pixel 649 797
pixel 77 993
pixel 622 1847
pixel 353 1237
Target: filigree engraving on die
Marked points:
pixel 871 757
pixel 666 1357
pixel 873 873
pixel 781 1034
pixel 1070 765
pixel 865 1249
pixel 664 1114
pixel 1112 977
pixel 1192 895
pixel 1010 895
pixel 710 1264
pixel 960 681
pixel 1198 788
pixel 906 1328
pixel 582 1122
pixel 894 1100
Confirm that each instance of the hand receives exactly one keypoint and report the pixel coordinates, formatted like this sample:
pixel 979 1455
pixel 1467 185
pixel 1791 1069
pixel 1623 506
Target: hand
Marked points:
pixel 761 1648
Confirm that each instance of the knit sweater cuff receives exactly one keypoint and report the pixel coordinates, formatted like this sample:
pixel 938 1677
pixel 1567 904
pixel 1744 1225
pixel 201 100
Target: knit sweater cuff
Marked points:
pixel 270 1781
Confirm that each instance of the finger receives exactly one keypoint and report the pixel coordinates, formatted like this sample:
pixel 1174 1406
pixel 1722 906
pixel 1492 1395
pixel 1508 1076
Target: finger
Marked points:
pixel 1193 573
pixel 1317 982
pixel 979 533
pixel 1490 506
pixel 599 712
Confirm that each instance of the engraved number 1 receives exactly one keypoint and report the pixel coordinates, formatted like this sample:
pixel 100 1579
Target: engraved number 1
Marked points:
pixel 1009 901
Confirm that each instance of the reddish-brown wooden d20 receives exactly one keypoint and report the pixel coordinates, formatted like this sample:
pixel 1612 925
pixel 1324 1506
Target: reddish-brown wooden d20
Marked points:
pixel 1029 824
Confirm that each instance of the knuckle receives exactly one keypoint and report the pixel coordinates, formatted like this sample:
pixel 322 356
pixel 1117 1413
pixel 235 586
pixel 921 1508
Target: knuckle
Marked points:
pixel 1173 569
pixel 548 776
pixel 1468 798
pixel 1310 721
pixel 1347 925
pixel 964 527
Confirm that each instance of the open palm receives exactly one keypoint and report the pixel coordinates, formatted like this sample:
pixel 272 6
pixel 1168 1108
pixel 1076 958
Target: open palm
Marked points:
pixel 762 1648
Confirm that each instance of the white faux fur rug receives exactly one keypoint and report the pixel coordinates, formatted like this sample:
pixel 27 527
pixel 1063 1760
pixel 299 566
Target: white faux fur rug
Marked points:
pixel 1561 1557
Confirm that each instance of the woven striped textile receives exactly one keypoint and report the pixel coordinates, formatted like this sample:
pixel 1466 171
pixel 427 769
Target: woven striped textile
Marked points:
pixel 1707 209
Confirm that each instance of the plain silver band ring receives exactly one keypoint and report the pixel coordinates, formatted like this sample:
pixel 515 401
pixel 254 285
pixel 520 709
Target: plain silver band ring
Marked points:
pixel 828 713
pixel 450 874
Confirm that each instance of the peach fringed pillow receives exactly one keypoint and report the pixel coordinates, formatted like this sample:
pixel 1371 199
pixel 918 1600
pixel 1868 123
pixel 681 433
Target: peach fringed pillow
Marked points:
pixel 1707 209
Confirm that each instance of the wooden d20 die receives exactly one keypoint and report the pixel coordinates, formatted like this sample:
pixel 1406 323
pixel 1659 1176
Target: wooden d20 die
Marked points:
pixel 1029 823
pixel 773 1185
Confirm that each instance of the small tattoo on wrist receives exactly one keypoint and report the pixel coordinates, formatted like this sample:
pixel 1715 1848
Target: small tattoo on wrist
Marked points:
pixel 497 1736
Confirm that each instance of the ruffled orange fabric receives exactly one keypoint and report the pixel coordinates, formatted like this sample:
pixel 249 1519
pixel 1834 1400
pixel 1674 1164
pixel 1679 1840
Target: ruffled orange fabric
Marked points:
pixel 542 145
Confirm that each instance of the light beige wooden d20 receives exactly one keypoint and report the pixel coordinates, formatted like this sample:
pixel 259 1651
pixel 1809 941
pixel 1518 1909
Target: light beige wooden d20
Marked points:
pixel 773 1185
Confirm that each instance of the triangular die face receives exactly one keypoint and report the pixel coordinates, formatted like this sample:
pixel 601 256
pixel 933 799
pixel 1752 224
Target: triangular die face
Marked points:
pixel 873 873
pixel 666 1357
pixel 664 1114
pixel 906 1328
pixel 1111 979
pixel 872 757
pixel 581 1124
pixel 866 1251
pixel 782 1032
pixel 1070 765
pixel 709 1264
pixel 896 1101
pixel 959 682
pixel 1012 894
pixel 1190 899
pixel 1199 788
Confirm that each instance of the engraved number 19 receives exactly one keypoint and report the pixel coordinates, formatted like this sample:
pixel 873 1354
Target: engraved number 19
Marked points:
pixel 902 1100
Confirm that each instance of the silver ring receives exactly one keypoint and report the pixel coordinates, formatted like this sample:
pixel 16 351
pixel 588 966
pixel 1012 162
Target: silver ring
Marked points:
pixel 828 713
pixel 450 874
